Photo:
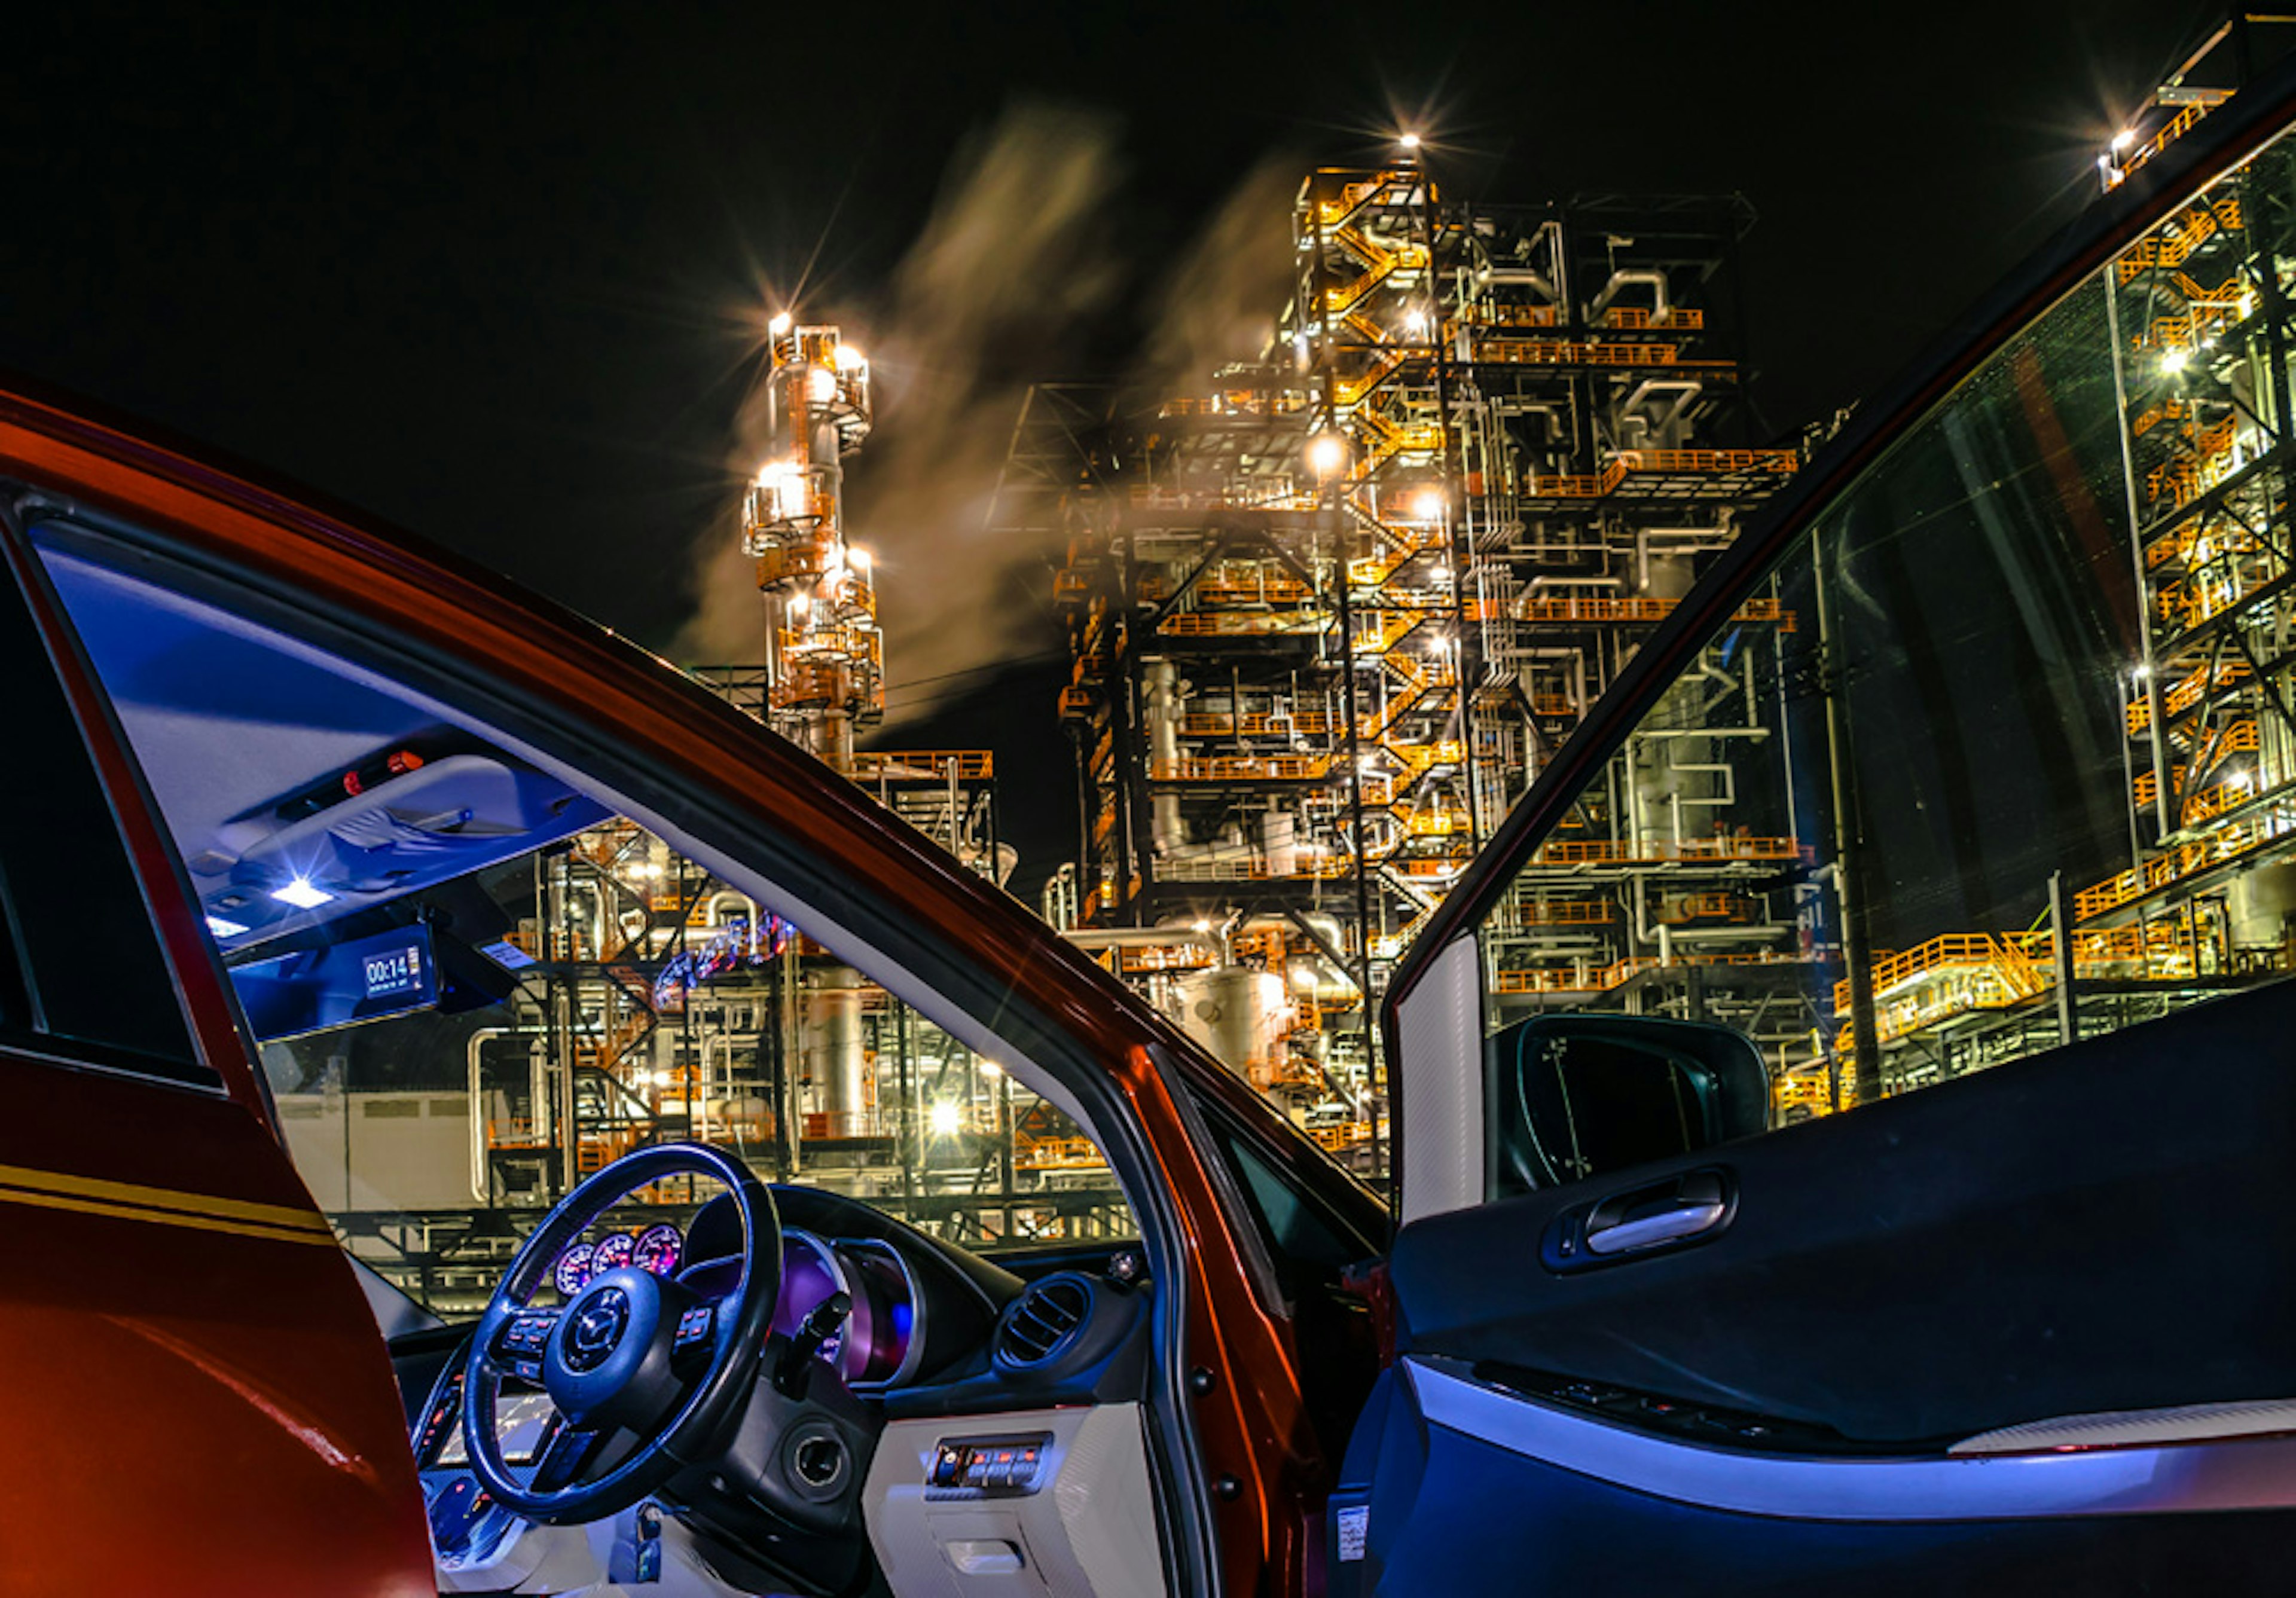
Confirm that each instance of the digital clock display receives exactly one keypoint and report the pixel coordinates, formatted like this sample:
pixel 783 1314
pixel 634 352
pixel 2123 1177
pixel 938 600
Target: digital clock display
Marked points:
pixel 394 973
pixel 339 985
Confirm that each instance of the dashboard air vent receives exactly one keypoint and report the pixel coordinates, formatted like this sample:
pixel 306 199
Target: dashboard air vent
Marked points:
pixel 1041 1324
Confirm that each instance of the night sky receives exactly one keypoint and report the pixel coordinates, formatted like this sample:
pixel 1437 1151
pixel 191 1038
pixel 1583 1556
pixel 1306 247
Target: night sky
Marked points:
pixel 500 273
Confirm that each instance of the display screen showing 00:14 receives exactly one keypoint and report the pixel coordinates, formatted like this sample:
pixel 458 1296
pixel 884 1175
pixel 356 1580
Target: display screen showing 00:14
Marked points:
pixel 393 972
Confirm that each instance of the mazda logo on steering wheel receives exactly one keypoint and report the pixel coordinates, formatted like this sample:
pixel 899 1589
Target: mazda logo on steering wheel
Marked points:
pixel 596 1327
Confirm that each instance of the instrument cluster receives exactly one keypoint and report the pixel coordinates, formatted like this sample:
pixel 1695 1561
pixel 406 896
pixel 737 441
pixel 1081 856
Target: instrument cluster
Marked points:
pixel 657 1249
pixel 880 1341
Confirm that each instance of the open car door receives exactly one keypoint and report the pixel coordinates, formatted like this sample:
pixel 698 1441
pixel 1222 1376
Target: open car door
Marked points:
pixel 1887 1184
pixel 198 1400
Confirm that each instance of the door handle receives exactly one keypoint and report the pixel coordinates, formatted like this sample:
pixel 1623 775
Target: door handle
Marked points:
pixel 1667 1213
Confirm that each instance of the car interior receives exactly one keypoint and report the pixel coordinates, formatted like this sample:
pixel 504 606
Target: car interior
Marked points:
pixel 675 1371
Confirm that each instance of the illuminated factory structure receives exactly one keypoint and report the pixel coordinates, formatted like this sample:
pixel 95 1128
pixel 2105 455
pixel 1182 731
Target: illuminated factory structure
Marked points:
pixel 824 656
pixel 2184 337
pixel 1330 616
pixel 820 679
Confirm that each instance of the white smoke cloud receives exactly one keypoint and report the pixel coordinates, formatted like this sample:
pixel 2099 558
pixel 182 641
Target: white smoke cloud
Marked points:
pixel 1011 270
pixel 1015 271
pixel 1219 303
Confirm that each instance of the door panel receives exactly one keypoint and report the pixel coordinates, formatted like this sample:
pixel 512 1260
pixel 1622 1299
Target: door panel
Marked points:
pixel 2103 1228
pixel 2050 1237
pixel 190 1410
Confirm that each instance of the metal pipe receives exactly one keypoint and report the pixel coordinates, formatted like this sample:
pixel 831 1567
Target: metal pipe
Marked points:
pixel 1733 932
pixel 1727 796
pixel 2061 946
pixel 1650 277
pixel 2145 673
pixel 1536 583
pixel 1849 842
pixel 713 916
pixel 1161 678
pixel 1529 276
pixel 1138 938
pixel 480 1187
pixel 1697 540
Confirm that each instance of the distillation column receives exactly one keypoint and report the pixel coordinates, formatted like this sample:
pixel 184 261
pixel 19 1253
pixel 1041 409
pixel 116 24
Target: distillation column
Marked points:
pixel 824 655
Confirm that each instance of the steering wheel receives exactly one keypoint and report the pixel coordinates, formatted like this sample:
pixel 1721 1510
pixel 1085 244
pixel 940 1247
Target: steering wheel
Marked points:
pixel 644 1371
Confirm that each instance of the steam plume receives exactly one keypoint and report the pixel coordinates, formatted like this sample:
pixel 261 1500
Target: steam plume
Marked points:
pixel 1016 270
pixel 1012 270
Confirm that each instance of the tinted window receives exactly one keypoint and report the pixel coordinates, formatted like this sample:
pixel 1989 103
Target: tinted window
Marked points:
pixel 2001 754
pixel 82 966
pixel 1303 1231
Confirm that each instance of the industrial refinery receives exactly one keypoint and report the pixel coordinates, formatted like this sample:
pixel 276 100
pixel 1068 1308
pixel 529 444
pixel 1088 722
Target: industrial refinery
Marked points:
pixel 1330 614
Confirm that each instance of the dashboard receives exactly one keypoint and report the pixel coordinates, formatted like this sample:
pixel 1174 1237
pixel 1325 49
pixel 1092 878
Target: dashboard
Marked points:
pixel 977 1380
pixel 880 1346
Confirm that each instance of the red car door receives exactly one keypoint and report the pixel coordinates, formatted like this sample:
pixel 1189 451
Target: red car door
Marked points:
pixel 199 1399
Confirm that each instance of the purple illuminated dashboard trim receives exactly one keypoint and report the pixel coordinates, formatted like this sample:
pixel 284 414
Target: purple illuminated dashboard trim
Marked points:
pixel 813 1267
pixel 2249 1472
pixel 910 1305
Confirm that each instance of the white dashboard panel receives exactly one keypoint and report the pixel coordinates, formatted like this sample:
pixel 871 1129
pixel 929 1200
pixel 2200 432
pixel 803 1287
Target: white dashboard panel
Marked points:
pixel 1085 1526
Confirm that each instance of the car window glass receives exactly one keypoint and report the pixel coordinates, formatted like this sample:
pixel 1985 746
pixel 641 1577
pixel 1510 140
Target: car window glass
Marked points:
pixel 79 963
pixel 1301 1231
pixel 2004 752
pixel 475 983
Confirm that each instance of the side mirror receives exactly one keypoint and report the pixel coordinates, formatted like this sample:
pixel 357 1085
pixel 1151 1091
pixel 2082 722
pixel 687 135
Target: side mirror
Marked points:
pixel 1581 1095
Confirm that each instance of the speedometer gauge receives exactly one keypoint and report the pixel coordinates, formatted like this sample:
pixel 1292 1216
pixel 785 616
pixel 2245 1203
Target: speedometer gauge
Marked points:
pixel 613 1253
pixel 574 1269
pixel 657 1249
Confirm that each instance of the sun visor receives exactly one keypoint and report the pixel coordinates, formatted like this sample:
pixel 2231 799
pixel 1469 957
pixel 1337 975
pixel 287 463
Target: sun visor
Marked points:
pixel 421 824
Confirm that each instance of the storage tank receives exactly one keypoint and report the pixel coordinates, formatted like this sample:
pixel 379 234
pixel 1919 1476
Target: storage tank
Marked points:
pixel 1241 1015
pixel 835 1053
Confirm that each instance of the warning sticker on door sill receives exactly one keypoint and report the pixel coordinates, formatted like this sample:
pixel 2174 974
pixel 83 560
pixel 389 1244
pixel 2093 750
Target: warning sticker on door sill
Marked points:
pixel 1354 1522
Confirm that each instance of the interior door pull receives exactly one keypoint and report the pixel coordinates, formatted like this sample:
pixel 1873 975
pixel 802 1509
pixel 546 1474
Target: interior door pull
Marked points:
pixel 1650 1216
